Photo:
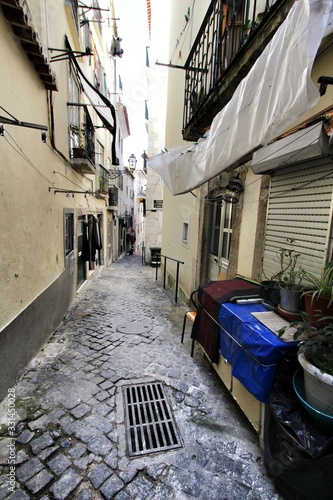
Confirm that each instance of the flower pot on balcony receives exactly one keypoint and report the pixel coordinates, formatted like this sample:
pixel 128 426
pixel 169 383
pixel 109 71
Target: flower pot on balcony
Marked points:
pixel 317 307
pixel 79 153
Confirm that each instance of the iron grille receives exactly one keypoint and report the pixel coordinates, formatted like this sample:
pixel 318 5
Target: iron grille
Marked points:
pixel 224 30
pixel 150 426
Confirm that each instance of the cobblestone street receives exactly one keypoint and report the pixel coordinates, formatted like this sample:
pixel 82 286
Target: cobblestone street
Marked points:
pixel 71 435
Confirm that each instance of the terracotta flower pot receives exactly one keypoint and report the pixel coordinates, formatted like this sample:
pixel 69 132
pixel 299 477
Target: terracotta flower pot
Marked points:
pixel 317 308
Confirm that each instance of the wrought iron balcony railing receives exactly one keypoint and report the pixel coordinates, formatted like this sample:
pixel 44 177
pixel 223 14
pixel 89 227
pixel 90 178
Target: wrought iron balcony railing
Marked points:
pixel 103 180
pixel 227 26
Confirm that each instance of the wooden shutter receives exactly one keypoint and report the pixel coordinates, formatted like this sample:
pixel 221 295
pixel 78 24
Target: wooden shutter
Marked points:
pixel 300 207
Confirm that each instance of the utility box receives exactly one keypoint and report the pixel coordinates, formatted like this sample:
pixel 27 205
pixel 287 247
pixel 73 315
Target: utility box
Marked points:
pixel 155 256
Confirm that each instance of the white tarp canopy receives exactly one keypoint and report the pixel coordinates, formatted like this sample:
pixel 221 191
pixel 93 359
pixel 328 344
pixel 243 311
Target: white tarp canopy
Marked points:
pixel 276 91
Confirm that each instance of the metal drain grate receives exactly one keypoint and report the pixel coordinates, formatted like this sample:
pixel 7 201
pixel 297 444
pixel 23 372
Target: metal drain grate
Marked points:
pixel 150 423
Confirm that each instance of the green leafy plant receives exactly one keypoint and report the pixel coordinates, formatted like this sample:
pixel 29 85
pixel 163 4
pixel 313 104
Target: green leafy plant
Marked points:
pixel 78 136
pixel 288 275
pixel 322 286
pixel 318 344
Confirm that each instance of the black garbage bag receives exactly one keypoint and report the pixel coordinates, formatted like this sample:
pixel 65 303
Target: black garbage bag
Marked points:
pixel 298 455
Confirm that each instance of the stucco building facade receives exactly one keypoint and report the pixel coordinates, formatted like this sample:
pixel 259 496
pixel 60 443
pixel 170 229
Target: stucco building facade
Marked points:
pixel 60 138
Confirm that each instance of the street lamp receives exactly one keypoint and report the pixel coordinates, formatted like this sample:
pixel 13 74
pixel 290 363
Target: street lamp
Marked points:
pixel 132 161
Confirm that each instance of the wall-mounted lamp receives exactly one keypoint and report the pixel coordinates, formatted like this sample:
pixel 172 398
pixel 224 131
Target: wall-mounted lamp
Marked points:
pixel 230 198
pixel 132 161
pixel 235 184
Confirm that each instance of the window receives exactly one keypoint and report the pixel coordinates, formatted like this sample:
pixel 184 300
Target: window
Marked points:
pixel 147 56
pixel 74 109
pixel 221 229
pixel 185 234
pixel 97 15
pixel 75 5
pixel 99 152
pixel 85 31
pixel 69 233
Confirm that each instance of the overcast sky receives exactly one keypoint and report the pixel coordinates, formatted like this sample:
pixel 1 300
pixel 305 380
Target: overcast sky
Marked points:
pixel 133 29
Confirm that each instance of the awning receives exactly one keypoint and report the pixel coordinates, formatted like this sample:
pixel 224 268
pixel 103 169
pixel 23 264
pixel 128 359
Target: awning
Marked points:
pixel 304 144
pixel 104 110
pixel 101 104
pixel 277 90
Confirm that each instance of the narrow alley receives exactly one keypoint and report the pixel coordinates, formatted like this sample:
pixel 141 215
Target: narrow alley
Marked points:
pixel 73 406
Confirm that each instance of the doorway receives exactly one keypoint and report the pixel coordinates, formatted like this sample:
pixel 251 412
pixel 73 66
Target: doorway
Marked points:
pixel 220 239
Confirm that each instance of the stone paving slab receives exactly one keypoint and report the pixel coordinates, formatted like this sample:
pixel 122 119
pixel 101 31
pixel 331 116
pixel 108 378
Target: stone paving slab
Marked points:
pixel 70 434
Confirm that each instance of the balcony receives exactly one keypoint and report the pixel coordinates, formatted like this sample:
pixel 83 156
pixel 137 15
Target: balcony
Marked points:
pixel 82 148
pixel 81 162
pixel 232 36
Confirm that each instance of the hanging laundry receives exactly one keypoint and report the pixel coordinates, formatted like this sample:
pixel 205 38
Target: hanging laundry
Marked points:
pixel 96 240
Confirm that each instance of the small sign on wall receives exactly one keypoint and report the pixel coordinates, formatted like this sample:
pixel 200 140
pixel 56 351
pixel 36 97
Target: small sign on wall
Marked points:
pixel 158 204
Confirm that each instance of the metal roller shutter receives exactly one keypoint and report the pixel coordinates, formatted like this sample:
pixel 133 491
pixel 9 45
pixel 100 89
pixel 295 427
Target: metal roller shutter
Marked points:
pixel 300 207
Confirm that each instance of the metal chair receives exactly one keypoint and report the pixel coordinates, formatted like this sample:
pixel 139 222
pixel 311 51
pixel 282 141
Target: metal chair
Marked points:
pixel 191 315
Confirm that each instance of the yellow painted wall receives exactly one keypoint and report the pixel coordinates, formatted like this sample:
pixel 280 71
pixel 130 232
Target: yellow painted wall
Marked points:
pixel 248 224
pixel 184 208
pixel 32 216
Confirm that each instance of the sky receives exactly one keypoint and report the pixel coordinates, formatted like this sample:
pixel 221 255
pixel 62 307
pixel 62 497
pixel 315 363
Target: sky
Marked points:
pixel 133 29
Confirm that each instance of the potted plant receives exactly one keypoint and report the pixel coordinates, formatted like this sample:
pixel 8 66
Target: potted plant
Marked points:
pixel 79 142
pixel 315 355
pixel 290 281
pixel 286 280
pixel 318 293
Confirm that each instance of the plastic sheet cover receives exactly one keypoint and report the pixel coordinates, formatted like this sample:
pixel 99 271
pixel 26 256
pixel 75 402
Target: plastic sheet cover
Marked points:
pixel 251 348
pixel 277 90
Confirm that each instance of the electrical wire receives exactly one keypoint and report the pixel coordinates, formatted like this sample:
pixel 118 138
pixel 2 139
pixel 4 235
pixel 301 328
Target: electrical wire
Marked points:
pixel 65 177
pixel 25 157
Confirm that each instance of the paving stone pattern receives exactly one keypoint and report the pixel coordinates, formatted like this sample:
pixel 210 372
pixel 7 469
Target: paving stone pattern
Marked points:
pixel 71 433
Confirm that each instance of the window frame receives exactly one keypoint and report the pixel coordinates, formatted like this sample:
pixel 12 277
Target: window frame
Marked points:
pixel 69 233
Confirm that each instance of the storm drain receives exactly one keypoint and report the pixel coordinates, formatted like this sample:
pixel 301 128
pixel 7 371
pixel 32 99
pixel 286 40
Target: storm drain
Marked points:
pixel 134 328
pixel 150 426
